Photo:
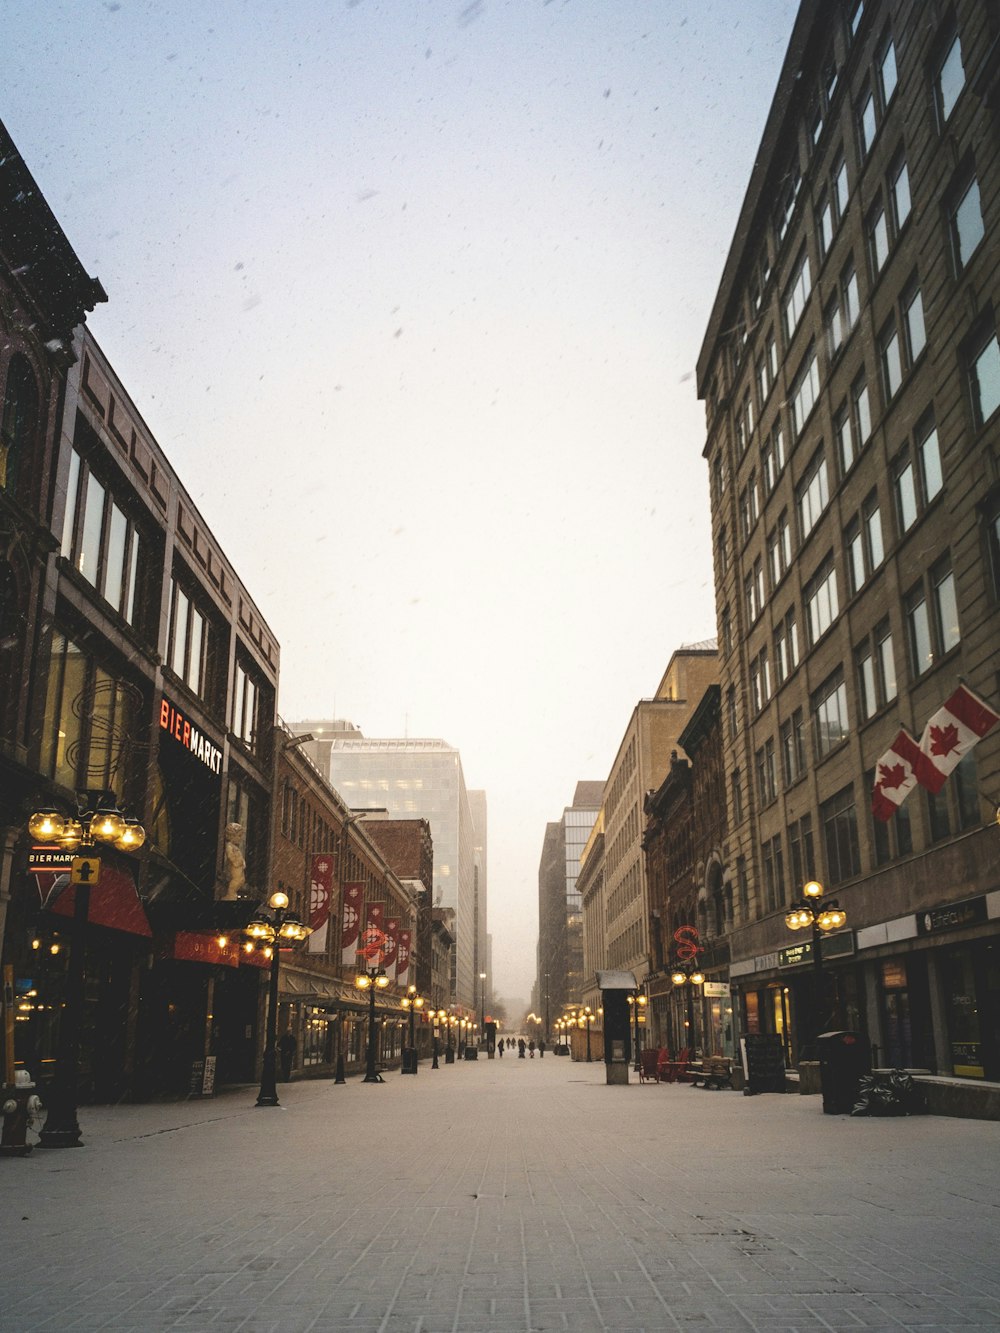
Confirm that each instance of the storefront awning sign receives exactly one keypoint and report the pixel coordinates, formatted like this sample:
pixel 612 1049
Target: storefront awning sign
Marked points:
pixel 113 901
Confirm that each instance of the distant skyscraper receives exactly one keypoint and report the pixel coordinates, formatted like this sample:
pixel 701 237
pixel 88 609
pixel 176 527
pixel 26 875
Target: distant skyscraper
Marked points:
pixel 560 921
pixel 420 778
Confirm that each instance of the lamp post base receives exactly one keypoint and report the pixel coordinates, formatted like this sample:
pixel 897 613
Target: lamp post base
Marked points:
pixel 373 1078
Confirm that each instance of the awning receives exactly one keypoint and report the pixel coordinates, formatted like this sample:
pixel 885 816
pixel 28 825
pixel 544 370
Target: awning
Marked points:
pixel 611 980
pixel 113 904
pixel 199 946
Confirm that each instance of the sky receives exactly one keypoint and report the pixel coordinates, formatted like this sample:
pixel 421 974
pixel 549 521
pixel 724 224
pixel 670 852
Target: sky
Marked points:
pixel 411 294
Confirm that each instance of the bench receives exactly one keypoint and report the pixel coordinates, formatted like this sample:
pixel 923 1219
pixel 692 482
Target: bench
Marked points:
pixel 715 1072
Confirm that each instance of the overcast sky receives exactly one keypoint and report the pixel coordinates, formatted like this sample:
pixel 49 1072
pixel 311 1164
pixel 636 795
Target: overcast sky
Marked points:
pixel 411 292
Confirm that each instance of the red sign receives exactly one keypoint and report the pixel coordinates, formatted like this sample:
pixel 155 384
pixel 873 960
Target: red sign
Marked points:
pixel 391 942
pixel 373 940
pixel 403 958
pixel 202 946
pixel 688 942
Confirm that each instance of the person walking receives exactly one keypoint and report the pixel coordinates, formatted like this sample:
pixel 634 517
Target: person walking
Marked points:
pixel 531 1049
pixel 541 1048
pixel 520 1048
pixel 286 1052
pixel 500 1050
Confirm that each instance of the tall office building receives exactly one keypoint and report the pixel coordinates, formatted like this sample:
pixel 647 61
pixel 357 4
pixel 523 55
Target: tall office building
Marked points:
pixel 419 778
pixel 851 378
pixel 560 916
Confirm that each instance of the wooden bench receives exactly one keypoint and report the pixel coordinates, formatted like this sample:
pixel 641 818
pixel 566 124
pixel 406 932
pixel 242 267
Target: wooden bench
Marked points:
pixel 716 1072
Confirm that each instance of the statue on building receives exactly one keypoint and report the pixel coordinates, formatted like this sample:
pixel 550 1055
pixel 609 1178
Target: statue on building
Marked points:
pixel 234 869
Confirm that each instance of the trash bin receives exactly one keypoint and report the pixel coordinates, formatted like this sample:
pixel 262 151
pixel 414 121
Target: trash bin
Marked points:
pixel 843 1058
pixel 409 1060
pixel 472 1053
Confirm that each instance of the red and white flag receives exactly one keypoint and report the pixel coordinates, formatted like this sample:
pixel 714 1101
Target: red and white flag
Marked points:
pixel 320 900
pixel 372 943
pixel 896 774
pixel 391 943
pixel 350 930
pixel 403 957
pixel 959 724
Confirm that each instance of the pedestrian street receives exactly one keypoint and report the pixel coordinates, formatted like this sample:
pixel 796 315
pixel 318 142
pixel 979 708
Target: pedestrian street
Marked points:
pixel 502 1195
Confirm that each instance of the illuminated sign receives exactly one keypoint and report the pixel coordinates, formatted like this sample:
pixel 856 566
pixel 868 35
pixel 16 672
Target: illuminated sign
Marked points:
pixel 176 725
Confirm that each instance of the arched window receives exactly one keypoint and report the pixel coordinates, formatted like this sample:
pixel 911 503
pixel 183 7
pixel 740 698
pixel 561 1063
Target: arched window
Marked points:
pixel 20 414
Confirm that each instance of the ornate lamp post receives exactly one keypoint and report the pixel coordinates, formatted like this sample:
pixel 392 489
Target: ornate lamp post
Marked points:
pixel 586 1018
pixel 412 1002
pixel 439 1018
pixel 372 979
pixel 637 1003
pixel 97 823
pixel 271 925
pixel 688 974
pixel 822 917
pixel 482 1004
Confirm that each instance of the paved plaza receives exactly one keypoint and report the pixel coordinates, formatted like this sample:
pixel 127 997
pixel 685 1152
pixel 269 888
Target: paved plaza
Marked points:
pixel 503 1195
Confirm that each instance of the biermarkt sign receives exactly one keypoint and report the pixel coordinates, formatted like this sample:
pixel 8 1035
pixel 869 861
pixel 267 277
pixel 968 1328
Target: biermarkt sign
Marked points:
pixel 833 946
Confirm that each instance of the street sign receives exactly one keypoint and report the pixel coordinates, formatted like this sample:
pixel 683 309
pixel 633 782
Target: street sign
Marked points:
pixel 85 870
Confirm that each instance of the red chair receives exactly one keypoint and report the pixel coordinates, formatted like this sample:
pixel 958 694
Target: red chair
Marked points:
pixel 672 1070
pixel 648 1066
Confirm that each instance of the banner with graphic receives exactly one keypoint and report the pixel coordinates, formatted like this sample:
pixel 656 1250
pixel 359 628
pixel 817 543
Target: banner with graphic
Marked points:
pixel 350 931
pixel 320 902
pixel 403 956
pixel 372 944
pixel 391 944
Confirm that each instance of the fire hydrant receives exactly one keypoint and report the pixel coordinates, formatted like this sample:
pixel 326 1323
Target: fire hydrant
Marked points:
pixel 19 1106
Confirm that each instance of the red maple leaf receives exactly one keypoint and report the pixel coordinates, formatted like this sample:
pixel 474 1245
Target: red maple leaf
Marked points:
pixel 891 775
pixel 944 739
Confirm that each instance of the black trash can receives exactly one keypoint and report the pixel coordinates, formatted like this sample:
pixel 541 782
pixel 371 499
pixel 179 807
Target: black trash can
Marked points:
pixel 843 1058
pixel 471 1053
pixel 409 1060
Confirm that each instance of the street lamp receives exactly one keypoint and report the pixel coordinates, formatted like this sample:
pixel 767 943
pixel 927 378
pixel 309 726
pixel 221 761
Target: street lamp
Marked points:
pixel 689 975
pixel 371 980
pixel 637 1003
pixel 411 1001
pixel 439 1018
pixel 98 823
pixel 267 929
pixel 586 1018
pixel 482 1004
pixel 823 917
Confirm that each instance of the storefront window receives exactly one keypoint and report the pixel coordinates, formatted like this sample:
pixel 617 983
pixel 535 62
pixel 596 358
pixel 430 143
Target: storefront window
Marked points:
pixel 963 1017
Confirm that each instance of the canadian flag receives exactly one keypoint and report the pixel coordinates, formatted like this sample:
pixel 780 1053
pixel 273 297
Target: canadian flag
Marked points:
pixel 959 724
pixel 898 771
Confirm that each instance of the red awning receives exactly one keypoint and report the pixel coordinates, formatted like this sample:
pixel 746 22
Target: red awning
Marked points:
pixel 114 902
pixel 201 946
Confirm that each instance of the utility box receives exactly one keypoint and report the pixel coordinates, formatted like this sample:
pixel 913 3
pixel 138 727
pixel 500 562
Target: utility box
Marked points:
pixel 843 1058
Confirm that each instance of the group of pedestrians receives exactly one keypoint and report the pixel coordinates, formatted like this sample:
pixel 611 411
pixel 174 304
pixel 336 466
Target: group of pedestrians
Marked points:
pixel 522 1047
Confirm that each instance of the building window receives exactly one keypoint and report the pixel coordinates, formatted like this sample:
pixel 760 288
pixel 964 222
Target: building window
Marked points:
pixel 891 838
pixel 867 122
pixel 871 516
pixel 864 662
pixel 913 322
pixel 189 642
pixel 797 296
pixel 834 325
pixel 749 506
pixel 887 77
pixel 906 493
pixel 840 189
pixel 918 631
pixel 767 786
pixel 812 495
pixel 801 850
pixel 878 239
pixel 722 551
pixel 929 454
pixel 991 533
pixel 825 225
pixel 946 628
pixel 726 622
pixel 737 789
pixel 760 681
pixel 844 437
pixel 91 720
pixel 774 874
pixel 899 192
pixel 854 550
pixel 840 836
pixel 829 709
pixel 892 361
pixel 786 647
pixel 967 228
pixel 805 391
pixel 731 712
pixel 789 195
pixel 793 754
pixel 246 708
pixel 102 541
pixel 822 602
pixel 862 410
pixel 985 378
pixel 779 549
pixel 885 662
pixel 949 80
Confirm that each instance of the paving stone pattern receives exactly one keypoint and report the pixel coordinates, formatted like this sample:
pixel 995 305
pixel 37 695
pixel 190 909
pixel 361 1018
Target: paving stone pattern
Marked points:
pixel 503 1195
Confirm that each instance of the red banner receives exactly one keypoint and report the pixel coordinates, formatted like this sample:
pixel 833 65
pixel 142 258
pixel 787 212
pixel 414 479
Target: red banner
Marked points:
pixel 320 901
pixel 201 946
pixel 403 958
pixel 391 943
pixel 372 945
pixel 354 896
